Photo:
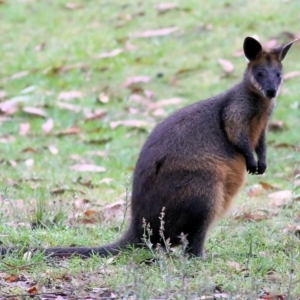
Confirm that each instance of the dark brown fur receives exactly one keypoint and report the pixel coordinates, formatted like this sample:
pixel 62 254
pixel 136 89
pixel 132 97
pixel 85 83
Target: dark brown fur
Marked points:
pixel 195 161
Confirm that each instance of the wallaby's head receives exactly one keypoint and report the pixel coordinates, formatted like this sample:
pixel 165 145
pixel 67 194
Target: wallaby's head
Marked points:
pixel 263 74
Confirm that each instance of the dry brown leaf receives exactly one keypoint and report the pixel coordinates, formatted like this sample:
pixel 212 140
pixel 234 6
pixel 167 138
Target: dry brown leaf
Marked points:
pixel 255 190
pixel 227 66
pixel 91 213
pixel 155 33
pixel 24 128
pixel 70 95
pixel 267 186
pixel 40 47
pixel 270 44
pixel 73 6
pixel 87 168
pixel 19 75
pixel 11 278
pixel 29 162
pixel 53 149
pixel 6 139
pixel 276 125
pixel 69 131
pixel 28 150
pixel 39 112
pixel 113 211
pixel 281 198
pixel 251 217
pixel 291 75
pixel 238 53
pixel 165 7
pixel 33 290
pixel 65 68
pixel 294 228
pixel 69 106
pixel 284 145
pixel 136 80
pixel 165 102
pixel 103 98
pixel 48 125
pixel 130 123
pixel 9 107
pixel 96 115
pixel 112 53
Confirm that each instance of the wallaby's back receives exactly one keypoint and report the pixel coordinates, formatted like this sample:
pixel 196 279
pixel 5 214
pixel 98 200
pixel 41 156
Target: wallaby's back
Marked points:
pixel 195 161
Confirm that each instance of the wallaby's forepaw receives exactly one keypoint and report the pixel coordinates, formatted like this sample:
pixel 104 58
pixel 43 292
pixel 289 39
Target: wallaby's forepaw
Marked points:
pixel 252 167
pixel 261 167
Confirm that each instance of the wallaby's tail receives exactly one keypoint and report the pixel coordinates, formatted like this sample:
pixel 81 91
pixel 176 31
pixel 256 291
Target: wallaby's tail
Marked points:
pixel 112 249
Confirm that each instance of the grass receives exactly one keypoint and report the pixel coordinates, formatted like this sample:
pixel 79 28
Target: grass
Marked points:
pixel 40 39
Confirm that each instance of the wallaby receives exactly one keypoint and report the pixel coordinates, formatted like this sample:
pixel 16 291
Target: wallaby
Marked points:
pixel 195 161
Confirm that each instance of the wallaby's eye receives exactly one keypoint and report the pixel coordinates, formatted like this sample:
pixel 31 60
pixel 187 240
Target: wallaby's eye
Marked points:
pixel 259 74
pixel 278 74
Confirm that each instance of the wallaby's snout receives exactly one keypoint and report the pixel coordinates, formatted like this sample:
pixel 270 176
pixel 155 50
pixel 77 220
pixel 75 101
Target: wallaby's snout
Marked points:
pixel 271 93
pixel 266 78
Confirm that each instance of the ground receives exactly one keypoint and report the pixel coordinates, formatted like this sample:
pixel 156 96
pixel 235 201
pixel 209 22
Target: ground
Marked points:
pixel 82 85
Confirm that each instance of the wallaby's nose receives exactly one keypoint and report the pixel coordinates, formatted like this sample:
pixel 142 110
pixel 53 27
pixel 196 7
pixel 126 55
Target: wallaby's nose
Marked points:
pixel 271 93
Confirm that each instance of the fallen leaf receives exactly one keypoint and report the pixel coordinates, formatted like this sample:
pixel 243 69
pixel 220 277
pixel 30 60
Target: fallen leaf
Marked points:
pixel 155 33
pixel 87 168
pixel 53 149
pixel 35 111
pixel 294 228
pixel 270 44
pixel 291 75
pixel 73 6
pixel 103 98
pixel 40 47
pixel 251 217
pixel 70 95
pixel 69 106
pixel 19 75
pixel 28 150
pixel 66 68
pixel 6 139
pixel 165 102
pixel 255 190
pixel 136 80
pixel 48 125
pixel 113 211
pixel 267 186
pixel 165 7
pixel 237 267
pixel 32 290
pixel 69 131
pixel 226 65
pixel 24 128
pixel 129 123
pixel 284 145
pixel 12 278
pixel 281 198
pixel 9 107
pixel 29 162
pixel 96 115
pixel 91 213
pixel 112 53
pixel 276 125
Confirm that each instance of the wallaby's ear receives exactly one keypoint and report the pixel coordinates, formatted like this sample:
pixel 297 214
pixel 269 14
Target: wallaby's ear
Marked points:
pixel 252 48
pixel 282 51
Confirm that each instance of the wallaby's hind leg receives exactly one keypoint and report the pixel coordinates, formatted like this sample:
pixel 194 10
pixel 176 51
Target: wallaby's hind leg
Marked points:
pixel 196 242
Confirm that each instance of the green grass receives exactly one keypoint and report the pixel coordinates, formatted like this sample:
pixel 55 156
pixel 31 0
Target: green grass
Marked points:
pixel 182 65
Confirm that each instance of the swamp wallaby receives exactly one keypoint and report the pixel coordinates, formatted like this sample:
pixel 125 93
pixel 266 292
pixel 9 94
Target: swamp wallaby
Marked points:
pixel 195 161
